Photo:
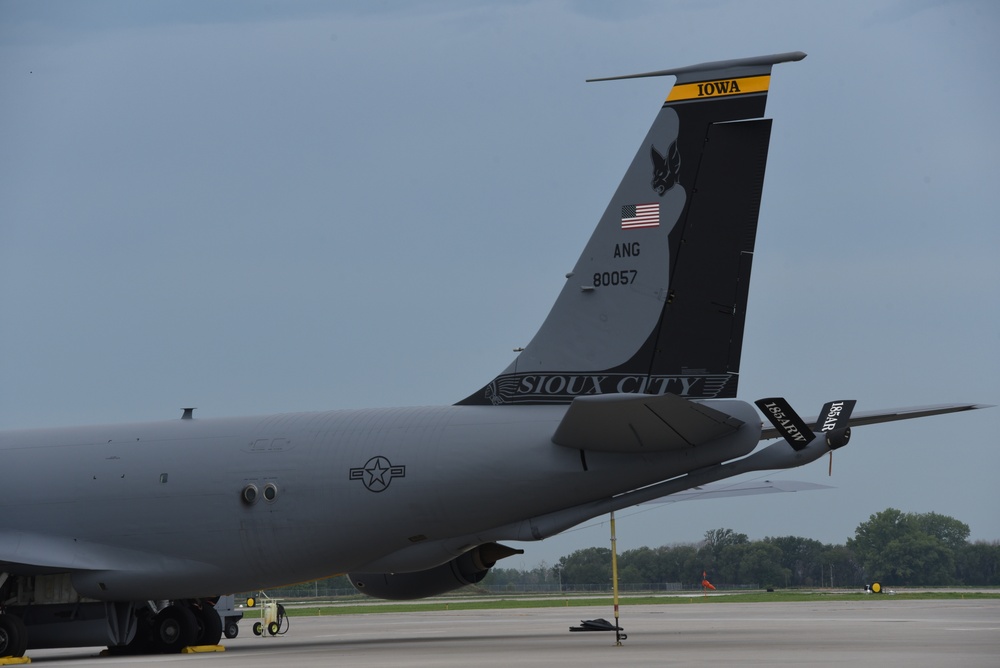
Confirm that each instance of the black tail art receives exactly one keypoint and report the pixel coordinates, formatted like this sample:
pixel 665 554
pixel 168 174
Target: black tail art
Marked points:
pixel 665 169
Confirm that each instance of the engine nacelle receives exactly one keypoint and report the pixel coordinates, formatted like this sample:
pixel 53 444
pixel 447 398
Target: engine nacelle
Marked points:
pixel 466 569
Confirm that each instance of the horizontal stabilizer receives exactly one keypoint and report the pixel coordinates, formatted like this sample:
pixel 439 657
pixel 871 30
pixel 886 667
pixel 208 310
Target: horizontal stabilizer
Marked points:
pixel 682 73
pixel 640 423
pixel 890 415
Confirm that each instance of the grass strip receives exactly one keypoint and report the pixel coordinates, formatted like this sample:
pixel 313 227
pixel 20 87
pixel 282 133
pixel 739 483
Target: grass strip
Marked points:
pixel 572 602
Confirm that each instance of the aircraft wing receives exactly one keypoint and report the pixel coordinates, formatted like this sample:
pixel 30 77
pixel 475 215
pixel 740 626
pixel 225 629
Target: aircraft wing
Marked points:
pixel 890 415
pixel 640 423
pixel 753 488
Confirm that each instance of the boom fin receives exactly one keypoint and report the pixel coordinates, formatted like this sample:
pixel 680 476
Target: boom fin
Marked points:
pixel 657 301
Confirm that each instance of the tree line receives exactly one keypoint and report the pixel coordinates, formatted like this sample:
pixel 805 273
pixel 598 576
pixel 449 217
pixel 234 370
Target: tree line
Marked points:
pixel 891 547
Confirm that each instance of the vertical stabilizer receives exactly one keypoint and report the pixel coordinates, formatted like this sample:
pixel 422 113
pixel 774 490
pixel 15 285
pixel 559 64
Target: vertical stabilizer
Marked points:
pixel 657 301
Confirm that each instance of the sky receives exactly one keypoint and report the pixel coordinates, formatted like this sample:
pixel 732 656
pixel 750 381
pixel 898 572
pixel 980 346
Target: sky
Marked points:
pixel 256 207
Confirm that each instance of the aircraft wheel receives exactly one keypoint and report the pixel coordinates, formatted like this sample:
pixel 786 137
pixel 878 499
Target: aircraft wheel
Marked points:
pixel 258 628
pixel 174 629
pixel 232 630
pixel 272 628
pixel 13 636
pixel 209 625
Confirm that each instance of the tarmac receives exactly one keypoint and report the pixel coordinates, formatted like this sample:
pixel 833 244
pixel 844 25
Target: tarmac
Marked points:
pixel 872 631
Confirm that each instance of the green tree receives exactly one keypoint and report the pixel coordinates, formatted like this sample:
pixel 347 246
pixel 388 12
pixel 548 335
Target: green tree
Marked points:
pixel 979 563
pixel 801 558
pixel 640 565
pixel 761 564
pixel 718 539
pixel 920 559
pixel 909 548
pixel 591 565
pixel 728 567
pixel 840 568
pixel 681 563
pixel 948 530
pixel 721 554
pixel 631 575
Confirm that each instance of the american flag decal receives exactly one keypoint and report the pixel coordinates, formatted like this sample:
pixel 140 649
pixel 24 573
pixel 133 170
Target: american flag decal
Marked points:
pixel 635 216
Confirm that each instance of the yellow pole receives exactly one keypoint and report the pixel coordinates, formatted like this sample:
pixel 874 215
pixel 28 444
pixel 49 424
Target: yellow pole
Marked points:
pixel 614 577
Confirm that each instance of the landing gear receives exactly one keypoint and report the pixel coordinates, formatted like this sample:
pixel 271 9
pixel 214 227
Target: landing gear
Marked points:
pixel 44 611
pixel 13 636
pixel 174 628
pixel 209 625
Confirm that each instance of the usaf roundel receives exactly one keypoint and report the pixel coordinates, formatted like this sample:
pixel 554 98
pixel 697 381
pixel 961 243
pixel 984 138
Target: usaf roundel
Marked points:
pixel 377 473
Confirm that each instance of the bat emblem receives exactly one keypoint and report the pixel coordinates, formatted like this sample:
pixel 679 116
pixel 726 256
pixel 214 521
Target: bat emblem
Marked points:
pixel 665 169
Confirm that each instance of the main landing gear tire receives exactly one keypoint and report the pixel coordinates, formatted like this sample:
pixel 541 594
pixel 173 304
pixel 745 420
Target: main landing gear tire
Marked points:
pixel 174 629
pixel 209 626
pixel 13 636
pixel 141 643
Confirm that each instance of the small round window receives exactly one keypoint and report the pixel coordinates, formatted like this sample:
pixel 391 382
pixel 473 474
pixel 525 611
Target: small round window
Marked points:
pixel 249 494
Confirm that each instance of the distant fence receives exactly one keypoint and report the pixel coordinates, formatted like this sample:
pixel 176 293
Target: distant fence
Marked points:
pixel 630 588
pixel 550 588
pixel 327 589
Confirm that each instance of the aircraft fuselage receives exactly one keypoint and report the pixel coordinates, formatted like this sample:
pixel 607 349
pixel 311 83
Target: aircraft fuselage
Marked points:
pixel 167 503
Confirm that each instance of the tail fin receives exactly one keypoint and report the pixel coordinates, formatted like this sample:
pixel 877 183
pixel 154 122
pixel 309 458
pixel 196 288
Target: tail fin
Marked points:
pixel 657 301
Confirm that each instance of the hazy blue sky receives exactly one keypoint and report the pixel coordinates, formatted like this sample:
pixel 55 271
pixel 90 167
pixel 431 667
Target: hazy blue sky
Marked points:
pixel 256 207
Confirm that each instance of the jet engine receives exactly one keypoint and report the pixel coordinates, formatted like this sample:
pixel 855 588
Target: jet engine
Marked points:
pixel 466 569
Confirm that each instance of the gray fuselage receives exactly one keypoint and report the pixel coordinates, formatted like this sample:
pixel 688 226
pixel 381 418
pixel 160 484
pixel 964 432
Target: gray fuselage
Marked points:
pixel 155 510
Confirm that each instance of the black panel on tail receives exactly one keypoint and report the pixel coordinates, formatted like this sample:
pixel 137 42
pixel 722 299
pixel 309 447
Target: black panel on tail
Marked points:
pixel 701 330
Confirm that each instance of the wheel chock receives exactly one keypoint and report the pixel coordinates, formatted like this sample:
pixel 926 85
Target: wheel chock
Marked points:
pixel 202 649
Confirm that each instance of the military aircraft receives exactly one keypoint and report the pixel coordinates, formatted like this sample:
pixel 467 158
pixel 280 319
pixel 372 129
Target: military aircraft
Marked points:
pixel 125 535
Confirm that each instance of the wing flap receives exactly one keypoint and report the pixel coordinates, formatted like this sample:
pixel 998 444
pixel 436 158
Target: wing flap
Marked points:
pixel 640 423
